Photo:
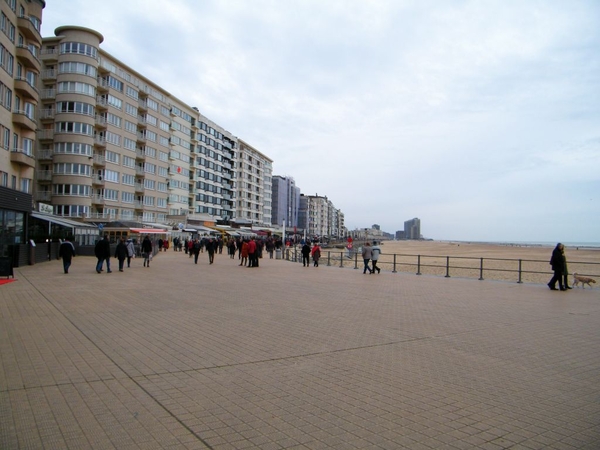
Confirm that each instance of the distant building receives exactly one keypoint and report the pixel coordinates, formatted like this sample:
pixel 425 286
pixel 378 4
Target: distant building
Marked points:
pixel 319 217
pixel 400 235
pixel 286 201
pixel 412 229
pixel 253 186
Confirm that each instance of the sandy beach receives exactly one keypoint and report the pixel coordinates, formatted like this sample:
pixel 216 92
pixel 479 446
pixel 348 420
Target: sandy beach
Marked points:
pixel 500 261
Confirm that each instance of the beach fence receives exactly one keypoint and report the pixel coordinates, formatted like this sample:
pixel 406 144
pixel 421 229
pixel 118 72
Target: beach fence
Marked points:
pixel 501 269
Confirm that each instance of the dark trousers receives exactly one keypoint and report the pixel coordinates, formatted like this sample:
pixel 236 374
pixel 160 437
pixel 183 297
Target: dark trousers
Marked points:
pixel 305 261
pixel 558 276
pixel 375 268
pixel 66 264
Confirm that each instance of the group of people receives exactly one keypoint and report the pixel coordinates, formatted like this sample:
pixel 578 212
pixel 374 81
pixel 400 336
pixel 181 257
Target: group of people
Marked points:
pixel 249 250
pixel 124 251
pixel 307 252
pixel 371 254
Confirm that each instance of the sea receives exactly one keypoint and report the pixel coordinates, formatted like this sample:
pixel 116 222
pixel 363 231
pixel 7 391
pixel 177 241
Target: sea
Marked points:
pixel 567 244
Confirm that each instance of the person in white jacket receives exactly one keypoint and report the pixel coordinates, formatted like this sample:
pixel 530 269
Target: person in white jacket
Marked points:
pixel 375 252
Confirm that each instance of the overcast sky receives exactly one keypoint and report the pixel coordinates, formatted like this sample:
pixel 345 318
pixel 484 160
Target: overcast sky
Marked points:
pixel 481 118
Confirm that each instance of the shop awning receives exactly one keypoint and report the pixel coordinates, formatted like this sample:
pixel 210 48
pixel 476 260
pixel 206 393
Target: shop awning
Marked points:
pixel 149 231
pixel 78 228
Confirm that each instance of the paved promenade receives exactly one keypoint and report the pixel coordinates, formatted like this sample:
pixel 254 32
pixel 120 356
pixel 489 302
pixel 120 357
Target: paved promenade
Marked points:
pixel 185 356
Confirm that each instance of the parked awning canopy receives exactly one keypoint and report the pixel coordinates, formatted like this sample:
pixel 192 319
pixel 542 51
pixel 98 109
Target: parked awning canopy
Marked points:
pixel 78 228
pixel 149 231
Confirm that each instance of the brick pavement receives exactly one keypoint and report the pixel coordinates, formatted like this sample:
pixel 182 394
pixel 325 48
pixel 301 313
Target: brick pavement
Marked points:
pixel 219 356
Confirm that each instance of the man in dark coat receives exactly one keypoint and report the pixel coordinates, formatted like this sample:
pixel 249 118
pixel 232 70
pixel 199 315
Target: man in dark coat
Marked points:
pixel 211 246
pixel 147 251
pixel 102 252
pixel 559 266
pixel 121 253
pixel 66 251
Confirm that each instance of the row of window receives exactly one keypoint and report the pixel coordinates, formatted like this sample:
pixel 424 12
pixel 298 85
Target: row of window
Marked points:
pixel 12 182
pixel 7 27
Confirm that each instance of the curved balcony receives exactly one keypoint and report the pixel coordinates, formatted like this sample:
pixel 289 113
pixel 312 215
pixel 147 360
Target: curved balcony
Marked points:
pixel 21 157
pixel 28 29
pixel 23 86
pixel 26 56
pixel 21 119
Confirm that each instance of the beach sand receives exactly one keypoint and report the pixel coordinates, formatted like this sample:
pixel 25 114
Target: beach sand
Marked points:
pixel 500 261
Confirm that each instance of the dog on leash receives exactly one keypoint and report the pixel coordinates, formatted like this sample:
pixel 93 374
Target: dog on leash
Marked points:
pixel 583 280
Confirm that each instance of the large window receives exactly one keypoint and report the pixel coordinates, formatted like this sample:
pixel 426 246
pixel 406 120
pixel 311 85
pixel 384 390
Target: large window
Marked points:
pixel 74 127
pixel 72 169
pixel 111 175
pixel 115 102
pixel 73 148
pixel 72 210
pixel 78 190
pixel 75 107
pixel 12 229
pixel 77 67
pixel 79 48
pixel 75 87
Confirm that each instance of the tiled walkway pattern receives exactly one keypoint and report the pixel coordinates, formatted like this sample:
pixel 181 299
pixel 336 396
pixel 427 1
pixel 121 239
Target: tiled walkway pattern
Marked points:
pixel 187 356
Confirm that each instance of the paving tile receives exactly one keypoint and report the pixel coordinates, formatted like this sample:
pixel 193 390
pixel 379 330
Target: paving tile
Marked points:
pixel 198 356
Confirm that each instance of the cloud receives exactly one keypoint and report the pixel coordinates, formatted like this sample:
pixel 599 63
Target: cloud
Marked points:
pixel 477 117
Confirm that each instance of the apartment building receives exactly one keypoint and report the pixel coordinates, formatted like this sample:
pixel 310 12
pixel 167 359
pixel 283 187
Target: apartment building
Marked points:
pixel 114 146
pixel 286 201
pixel 20 42
pixel 412 229
pixel 254 186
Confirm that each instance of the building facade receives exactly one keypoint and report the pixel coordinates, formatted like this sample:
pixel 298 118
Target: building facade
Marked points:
pixel 320 218
pixel 286 201
pixel 412 229
pixel 254 186
pixel 114 146
pixel 20 43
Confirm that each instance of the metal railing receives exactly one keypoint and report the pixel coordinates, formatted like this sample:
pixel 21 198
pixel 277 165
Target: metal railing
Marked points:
pixel 480 268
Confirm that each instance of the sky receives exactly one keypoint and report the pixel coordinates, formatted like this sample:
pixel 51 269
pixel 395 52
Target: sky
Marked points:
pixel 481 118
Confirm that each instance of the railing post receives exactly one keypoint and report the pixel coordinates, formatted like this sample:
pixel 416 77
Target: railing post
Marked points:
pixel 447 267
pixel 520 281
pixel 342 259
pixel 394 271
pixel 328 258
pixel 356 260
pixel 481 269
pixel 418 264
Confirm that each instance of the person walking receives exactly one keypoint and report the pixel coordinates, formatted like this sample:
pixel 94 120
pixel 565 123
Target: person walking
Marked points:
pixel 244 253
pixel 130 251
pixel 305 254
pixel 558 263
pixel 121 253
pixel 102 252
pixel 316 254
pixel 252 253
pixel 211 247
pixel 66 251
pixel 367 254
pixel 196 245
pixel 375 252
pixel 146 251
